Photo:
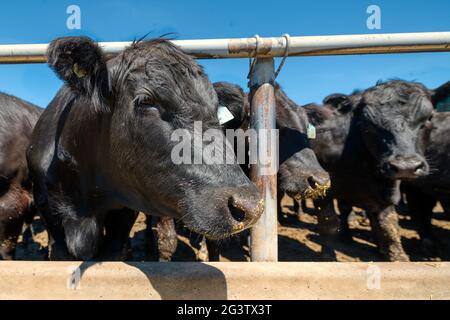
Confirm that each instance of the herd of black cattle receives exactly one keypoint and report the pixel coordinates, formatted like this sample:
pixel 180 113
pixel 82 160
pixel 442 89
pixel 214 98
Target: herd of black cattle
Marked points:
pixel 101 152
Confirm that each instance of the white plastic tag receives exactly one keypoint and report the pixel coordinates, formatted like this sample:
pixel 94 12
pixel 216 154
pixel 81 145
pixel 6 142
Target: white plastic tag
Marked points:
pixel 311 131
pixel 224 114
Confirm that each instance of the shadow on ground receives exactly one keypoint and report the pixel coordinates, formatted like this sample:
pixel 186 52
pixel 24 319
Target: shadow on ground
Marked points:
pixel 298 241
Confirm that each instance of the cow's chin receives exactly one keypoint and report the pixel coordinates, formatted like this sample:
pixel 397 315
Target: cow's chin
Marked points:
pixel 214 229
pixel 217 222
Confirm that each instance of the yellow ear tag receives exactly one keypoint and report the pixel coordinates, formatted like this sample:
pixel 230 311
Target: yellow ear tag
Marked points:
pixel 80 72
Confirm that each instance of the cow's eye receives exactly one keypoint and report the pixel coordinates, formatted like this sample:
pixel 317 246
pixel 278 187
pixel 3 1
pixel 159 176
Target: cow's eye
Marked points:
pixel 145 102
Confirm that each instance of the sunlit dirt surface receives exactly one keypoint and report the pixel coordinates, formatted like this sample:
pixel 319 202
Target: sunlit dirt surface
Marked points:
pixel 298 240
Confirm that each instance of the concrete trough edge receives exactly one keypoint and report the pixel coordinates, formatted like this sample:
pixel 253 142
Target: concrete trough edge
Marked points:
pixel 226 280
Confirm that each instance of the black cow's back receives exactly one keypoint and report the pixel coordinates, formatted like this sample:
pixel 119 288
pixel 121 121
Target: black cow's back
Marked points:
pixel 17 120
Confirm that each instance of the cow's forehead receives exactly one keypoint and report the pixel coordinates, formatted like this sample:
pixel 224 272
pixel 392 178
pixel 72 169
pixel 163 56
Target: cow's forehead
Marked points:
pixel 404 99
pixel 395 112
pixel 167 74
pixel 156 60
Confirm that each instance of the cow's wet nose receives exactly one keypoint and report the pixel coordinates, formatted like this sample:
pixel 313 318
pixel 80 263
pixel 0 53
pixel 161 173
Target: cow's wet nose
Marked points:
pixel 244 211
pixel 408 167
pixel 319 179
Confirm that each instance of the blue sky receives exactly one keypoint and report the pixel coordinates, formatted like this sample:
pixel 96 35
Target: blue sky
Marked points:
pixel 304 79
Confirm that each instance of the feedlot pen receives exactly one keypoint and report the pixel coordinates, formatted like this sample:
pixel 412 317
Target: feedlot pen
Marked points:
pixel 264 278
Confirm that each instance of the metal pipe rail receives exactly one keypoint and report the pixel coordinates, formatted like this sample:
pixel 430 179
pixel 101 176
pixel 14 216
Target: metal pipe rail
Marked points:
pixel 231 280
pixel 267 47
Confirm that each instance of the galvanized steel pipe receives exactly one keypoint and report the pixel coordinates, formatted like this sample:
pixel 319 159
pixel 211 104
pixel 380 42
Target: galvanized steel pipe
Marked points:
pixel 268 47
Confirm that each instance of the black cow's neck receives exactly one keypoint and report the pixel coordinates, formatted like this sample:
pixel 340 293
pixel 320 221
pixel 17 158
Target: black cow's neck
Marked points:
pixel 81 146
pixel 357 161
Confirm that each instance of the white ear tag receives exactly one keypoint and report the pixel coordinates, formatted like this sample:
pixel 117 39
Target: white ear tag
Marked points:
pixel 311 131
pixel 224 114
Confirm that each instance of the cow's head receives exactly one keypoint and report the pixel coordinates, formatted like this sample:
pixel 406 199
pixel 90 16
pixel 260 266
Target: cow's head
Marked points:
pixel 389 117
pixel 300 174
pixel 441 97
pixel 141 98
pixel 339 102
pixel 233 98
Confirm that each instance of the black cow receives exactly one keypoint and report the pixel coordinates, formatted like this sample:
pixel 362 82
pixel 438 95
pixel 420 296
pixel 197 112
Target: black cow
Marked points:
pixel 422 193
pixel 300 174
pixel 17 120
pixel 332 121
pixel 160 232
pixel 104 149
pixel 381 146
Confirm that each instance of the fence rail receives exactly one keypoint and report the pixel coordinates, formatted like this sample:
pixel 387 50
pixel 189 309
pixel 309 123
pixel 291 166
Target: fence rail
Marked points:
pixel 267 47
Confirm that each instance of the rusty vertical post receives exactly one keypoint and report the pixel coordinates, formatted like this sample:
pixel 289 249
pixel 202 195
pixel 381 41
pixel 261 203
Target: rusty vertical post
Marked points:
pixel 264 235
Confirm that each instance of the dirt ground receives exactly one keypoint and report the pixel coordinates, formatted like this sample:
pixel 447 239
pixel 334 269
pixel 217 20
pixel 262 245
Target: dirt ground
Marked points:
pixel 297 241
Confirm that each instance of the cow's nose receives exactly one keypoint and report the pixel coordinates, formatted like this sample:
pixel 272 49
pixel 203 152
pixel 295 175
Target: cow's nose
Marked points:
pixel 408 167
pixel 244 211
pixel 319 179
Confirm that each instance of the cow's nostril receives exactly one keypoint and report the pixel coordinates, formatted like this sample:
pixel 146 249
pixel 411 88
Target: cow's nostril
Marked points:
pixel 312 181
pixel 419 166
pixel 407 167
pixel 319 179
pixel 236 212
pixel 393 167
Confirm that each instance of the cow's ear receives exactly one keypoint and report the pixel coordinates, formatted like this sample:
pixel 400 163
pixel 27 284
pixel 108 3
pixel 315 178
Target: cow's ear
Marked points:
pixel 80 63
pixel 440 94
pixel 341 102
pixel 231 100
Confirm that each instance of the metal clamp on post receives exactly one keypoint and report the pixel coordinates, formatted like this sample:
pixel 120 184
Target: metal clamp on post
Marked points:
pixel 286 53
pixel 252 60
